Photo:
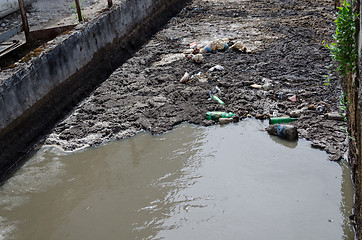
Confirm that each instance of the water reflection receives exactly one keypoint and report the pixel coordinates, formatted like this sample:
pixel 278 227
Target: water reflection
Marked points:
pixel 193 182
pixel 286 143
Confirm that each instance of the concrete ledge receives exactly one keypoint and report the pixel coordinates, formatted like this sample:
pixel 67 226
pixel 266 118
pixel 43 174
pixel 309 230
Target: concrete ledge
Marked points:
pixel 10 6
pixel 41 91
pixel 27 86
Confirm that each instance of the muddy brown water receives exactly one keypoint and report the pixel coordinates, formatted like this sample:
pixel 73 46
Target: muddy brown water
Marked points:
pixel 194 182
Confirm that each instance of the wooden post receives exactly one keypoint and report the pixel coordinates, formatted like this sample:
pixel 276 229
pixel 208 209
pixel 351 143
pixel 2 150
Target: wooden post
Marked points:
pixel 25 20
pixel 80 18
pixel 110 3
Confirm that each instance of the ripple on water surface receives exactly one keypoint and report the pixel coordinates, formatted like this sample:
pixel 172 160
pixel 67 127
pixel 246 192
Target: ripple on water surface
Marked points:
pixel 230 182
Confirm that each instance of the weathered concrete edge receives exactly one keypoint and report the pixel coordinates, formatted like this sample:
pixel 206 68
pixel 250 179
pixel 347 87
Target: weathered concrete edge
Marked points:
pixel 24 88
pixel 10 6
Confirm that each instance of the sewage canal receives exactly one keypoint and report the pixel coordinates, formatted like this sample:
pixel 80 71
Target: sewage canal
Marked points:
pixel 218 182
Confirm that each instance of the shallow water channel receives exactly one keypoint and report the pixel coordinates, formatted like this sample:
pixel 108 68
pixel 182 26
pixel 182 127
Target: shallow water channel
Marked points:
pixel 219 182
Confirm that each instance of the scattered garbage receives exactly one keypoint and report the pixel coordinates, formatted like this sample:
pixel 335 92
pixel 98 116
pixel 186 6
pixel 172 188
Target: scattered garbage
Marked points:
pixel 213 96
pixel 239 46
pixel 185 78
pixel 198 58
pixel 207 48
pixel 225 120
pixel 218 100
pixel 261 116
pixel 216 45
pixel 193 45
pixel 217 67
pixel 296 113
pixel 217 115
pixel 284 131
pixel 275 120
pixel 293 98
pixel 201 77
pixel 312 107
pixel 335 116
pixel 188 52
pixel 168 58
pixel 320 108
pixel 304 109
pixel 280 96
pixel 267 86
pixel 256 86
pixel 220 44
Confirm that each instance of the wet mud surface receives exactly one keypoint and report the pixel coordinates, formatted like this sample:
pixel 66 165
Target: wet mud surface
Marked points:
pixel 284 41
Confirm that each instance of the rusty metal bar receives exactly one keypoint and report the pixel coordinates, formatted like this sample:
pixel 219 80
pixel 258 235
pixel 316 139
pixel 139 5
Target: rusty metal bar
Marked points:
pixel 110 3
pixel 80 18
pixel 25 20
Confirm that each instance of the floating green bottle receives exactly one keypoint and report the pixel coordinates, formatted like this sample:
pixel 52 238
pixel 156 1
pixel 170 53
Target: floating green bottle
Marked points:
pixel 281 120
pixel 216 115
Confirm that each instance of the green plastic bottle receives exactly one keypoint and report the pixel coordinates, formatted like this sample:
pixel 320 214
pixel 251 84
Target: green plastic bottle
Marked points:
pixel 216 115
pixel 218 100
pixel 281 120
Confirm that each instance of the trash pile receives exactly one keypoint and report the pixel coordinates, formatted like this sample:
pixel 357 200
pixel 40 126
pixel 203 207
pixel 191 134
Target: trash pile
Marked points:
pixel 195 54
pixel 279 125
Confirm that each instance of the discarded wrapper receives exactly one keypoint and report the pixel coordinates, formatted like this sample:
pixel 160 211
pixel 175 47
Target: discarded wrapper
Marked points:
pixel 198 58
pixel 296 113
pixel 185 78
pixel 293 98
pixel 217 67
pixel 239 46
pixel 256 86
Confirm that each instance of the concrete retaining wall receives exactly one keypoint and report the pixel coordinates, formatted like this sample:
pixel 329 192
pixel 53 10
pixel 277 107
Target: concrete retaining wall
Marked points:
pixel 23 89
pixel 10 6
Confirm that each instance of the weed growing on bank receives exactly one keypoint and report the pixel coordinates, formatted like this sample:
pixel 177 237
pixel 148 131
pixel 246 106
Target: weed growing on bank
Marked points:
pixel 344 50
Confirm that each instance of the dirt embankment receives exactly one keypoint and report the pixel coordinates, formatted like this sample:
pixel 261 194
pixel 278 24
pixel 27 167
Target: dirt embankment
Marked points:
pixel 284 47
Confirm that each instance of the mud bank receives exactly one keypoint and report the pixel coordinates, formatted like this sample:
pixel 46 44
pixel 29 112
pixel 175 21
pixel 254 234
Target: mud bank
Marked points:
pixel 285 48
pixel 38 92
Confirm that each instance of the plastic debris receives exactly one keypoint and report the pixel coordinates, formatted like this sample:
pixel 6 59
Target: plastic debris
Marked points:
pixel 216 45
pixel 239 46
pixel 218 100
pixel 225 120
pixel 284 131
pixel 312 107
pixel 217 115
pixel 275 120
pixel 256 86
pixel 335 116
pixel 198 58
pixel 296 113
pixel 185 78
pixel 193 45
pixel 220 44
pixel 213 96
pixel 293 98
pixel 201 77
pixel 217 67
pixel 267 86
